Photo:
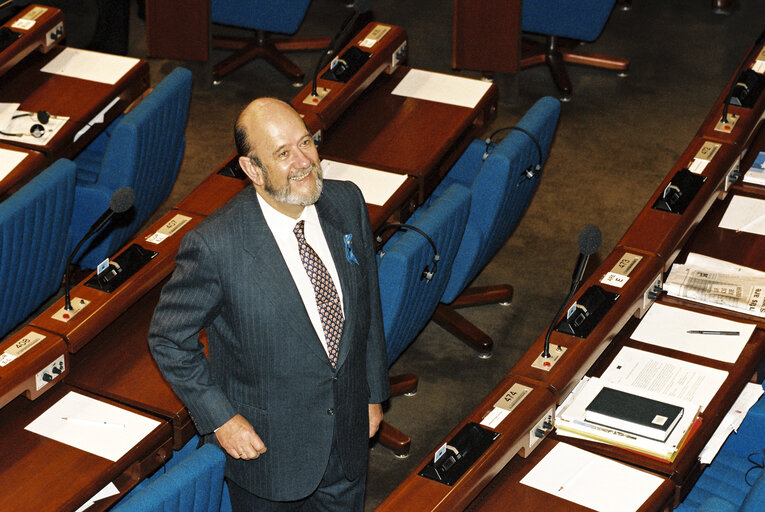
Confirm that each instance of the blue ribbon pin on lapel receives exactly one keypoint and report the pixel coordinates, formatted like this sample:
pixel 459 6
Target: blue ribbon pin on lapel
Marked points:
pixel 349 249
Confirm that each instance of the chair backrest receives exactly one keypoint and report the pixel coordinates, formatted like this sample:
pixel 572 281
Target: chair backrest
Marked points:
pixel 34 241
pixel 282 16
pixel 144 152
pixel 582 20
pixel 408 300
pixel 501 190
pixel 195 484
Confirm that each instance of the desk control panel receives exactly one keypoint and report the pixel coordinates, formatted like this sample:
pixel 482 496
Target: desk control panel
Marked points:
pixel 37 27
pixel 32 361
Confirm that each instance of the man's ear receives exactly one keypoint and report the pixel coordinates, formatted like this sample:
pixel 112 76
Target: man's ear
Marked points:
pixel 252 171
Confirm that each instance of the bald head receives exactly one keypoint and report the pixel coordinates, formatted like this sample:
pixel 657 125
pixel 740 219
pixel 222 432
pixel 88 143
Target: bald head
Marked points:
pixel 253 115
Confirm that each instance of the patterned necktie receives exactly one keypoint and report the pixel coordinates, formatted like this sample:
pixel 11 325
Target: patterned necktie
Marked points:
pixel 327 299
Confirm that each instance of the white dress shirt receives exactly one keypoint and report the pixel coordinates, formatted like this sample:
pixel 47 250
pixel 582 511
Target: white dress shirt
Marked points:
pixel 281 227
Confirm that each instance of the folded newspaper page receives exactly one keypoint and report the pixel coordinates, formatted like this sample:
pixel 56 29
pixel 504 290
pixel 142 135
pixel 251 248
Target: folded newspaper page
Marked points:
pixel 735 292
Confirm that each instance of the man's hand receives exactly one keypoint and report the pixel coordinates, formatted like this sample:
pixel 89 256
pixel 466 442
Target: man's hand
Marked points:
pixel 375 418
pixel 239 439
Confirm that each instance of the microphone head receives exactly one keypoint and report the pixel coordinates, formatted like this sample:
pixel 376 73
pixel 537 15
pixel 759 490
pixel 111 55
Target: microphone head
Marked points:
pixel 122 199
pixel 43 116
pixel 589 239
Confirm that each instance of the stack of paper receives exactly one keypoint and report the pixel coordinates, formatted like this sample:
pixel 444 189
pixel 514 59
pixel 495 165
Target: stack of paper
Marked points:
pixel 653 376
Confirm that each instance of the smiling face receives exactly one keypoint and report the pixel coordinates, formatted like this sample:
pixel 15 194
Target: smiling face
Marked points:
pixel 283 162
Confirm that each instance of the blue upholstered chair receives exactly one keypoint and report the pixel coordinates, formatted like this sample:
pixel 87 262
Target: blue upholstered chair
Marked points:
pixel 192 481
pixel 408 298
pixel 574 21
pixel 143 150
pixel 34 242
pixel 502 187
pixel 724 486
pixel 263 16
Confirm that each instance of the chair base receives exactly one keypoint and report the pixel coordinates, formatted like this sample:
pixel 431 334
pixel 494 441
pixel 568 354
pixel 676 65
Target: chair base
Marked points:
pixel 395 440
pixel 558 52
pixel 263 47
pixel 405 384
pixel 447 317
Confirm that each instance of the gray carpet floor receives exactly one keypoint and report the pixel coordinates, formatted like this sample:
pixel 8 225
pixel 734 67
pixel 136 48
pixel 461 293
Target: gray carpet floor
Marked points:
pixel 616 140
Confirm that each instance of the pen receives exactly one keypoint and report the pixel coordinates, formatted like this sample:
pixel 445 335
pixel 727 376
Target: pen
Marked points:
pixel 717 333
pixel 93 423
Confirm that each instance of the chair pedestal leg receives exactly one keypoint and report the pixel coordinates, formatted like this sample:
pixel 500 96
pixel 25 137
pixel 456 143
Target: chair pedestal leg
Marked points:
pixel 447 317
pixel 394 439
pixel 405 384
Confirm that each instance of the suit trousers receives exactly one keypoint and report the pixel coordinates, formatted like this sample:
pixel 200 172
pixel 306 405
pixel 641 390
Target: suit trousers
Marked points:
pixel 335 493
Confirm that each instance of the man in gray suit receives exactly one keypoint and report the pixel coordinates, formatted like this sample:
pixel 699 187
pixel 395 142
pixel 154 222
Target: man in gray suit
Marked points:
pixel 284 280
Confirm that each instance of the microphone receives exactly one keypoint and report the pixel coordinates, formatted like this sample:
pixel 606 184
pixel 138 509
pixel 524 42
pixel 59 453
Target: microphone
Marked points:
pixel 589 240
pixel 359 8
pixel 121 201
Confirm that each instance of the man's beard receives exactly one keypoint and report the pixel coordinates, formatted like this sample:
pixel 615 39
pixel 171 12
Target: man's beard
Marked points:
pixel 286 195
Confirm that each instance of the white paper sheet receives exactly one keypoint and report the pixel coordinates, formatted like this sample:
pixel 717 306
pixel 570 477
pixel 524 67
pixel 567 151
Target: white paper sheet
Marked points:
pixel 672 378
pixel 7 111
pixel 85 429
pixel 9 159
pixel 592 481
pixel 376 186
pixel 721 266
pixel 109 490
pixel 87 65
pixel 732 420
pixel 745 214
pixel 454 90
pixel 667 326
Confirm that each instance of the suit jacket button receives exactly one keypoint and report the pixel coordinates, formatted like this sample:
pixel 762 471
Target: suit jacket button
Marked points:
pixel 334 379
pixel 330 411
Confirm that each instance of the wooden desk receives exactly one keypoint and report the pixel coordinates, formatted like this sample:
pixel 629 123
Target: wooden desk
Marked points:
pixel 406 135
pixel 44 475
pixel 507 488
pixel 80 100
pixel 487 36
pixel 117 364
pixel 29 167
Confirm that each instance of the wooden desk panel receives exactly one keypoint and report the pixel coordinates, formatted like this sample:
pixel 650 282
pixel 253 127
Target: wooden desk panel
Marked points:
pixel 216 190
pixel 27 169
pixel 664 233
pixel 42 36
pixel 581 353
pixel 683 469
pixel 47 476
pixel 22 357
pixel 104 307
pixel 80 100
pixel 117 365
pixel 487 35
pixel 507 488
pixel 406 135
pixel 421 494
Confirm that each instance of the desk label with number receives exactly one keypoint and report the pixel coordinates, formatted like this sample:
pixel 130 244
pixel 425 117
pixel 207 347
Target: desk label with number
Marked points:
pixel 626 264
pixel 169 229
pixel 704 156
pixel 20 346
pixel 375 35
pixel 513 397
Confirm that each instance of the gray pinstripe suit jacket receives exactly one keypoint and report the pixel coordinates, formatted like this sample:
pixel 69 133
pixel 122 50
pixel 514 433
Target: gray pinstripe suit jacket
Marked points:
pixel 265 360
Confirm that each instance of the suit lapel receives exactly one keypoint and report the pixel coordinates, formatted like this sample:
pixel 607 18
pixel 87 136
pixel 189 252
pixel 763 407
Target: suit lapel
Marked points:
pixel 334 230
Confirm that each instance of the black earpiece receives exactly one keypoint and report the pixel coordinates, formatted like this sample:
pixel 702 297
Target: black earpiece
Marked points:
pixel 430 270
pixel 37 130
pixel 531 170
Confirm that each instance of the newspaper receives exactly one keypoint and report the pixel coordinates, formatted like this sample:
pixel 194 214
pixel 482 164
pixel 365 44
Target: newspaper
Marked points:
pixel 736 292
